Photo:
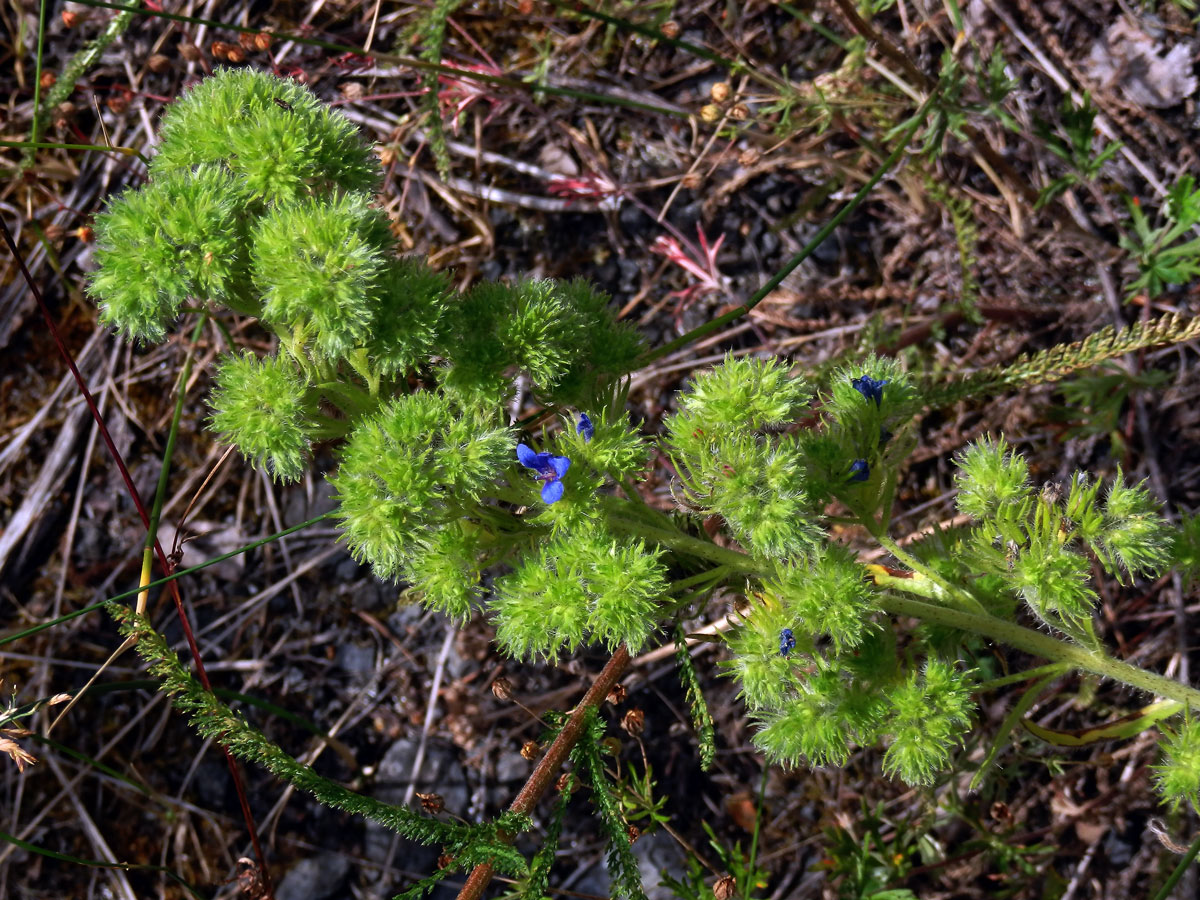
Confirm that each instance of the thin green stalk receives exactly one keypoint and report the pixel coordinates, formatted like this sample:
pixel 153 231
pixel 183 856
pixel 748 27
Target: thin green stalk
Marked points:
pixel 1188 858
pixel 819 238
pixel 951 592
pixel 1018 677
pixel 1042 645
pixel 684 544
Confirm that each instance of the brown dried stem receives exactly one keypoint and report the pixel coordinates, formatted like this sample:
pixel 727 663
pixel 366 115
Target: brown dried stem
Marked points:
pixel 542 776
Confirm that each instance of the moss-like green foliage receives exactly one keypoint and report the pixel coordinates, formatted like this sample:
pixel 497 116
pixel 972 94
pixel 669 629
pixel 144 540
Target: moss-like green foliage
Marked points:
pixel 1178 776
pixel 416 464
pixel 261 406
pixel 582 586
pixel 271 133
pixel 992 481
pixel 927 718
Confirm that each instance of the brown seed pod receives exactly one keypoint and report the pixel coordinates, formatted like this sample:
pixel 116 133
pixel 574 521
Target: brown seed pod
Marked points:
pixel 616 694
pixel 634 721
pixel 691 180
pixel 47 80
pixel 70 19
pixel 158 64
pixel 189 51
pixel 719 92
pixel 234 53
pixel 445 860
pixel 670 29
pixel 218 49
pixel 632 832
pixel 431 803
pixel 246 40
pixel 85 233
pixel 262 40
pixel 530 750
pixel 710 113
pixel 725 888
pixel 739 111
pixel 749 156
pixel 502 689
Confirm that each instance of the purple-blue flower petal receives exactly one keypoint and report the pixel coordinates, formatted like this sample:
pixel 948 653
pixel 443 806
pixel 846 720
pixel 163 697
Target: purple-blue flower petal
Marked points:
pixel 527 457
pixel 552 491
pixel 559 465
pixel 585 427
pixel 860 470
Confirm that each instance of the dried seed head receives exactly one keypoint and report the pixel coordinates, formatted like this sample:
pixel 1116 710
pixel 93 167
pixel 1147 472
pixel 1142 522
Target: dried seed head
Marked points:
pixel 1000 811
pixel 246 40
pixel 189 51
pixel 445 861
pixel 218 49
pixel 719 92
pixel 234 53
pixel 54 233
pixel 158 64
pixel 670 29
pixel 749 156
pixel 616 694
pixel 632 832
pixel 725 888
pixel 634 721
pixel 739 111
pixel 431 803
pixel 85 234
pixel 262 40
pixel 566 782
pixel 502 689
pixel 530 750
pixel 710 113
pixel 691 180
pixel 47 80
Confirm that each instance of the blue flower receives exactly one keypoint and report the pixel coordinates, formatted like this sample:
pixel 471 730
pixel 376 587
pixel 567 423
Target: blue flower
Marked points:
pixel 585 427
pixel 787 642
pixel 860 470
pixel 869 387
pixel 549 468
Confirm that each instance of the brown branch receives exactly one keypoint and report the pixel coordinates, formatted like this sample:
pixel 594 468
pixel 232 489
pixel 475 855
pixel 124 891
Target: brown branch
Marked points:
pixel 549 764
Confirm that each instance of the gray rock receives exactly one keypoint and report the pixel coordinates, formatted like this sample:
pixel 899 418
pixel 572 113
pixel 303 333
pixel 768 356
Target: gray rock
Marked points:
pixel 316 878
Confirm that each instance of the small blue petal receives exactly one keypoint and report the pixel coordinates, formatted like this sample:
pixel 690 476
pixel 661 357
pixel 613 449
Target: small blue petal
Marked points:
pixel 869 387
pixel 787 642
pixel 558 465
pixel 860 470
pixel 527 457
pixel 585 427
pixel 552 491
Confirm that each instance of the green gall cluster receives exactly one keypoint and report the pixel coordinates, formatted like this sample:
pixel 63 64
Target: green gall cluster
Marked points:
pixel 927 718
pixel 580 587
pixel 1177 778
pixel 991 480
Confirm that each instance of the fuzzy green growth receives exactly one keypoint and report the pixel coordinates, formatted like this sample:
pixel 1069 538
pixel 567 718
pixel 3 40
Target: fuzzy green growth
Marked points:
pixel 927 718
pixel 418 463
pixel 261 406
pixel 580 587
pixel 1178 776
pixel 829 596
pixel 271 133
pixel 992 481
pixel 735 461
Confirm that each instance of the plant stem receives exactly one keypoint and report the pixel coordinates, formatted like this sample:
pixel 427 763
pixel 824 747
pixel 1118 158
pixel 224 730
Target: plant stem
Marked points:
pixel 1042 645
pixel 539 780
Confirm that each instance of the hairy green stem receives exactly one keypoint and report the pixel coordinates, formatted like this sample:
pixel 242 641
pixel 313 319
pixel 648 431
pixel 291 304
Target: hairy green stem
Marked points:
pixel 1042 645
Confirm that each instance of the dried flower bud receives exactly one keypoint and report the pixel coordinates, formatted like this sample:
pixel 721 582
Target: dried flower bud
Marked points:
pixel 691 180
pixel 670 29
pixel 47 80
pixel 445 861
pixel 566 782
pixel 85 233
pixel 740 111
pixel 632 832
pixel 431 803
pixel 59 698
pixel 719 92
pixel 530 750
pixel 219 49
pixel 710 113
pixel 234 53
pixel 158 64
pixel 262 40
pixel 616 694
pixel 502 689
pixel 70 19
pixel 634 721
pixel 246 40
pixel 749 156
pixel 189 51
pixel 1000 812
pixel 725 888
